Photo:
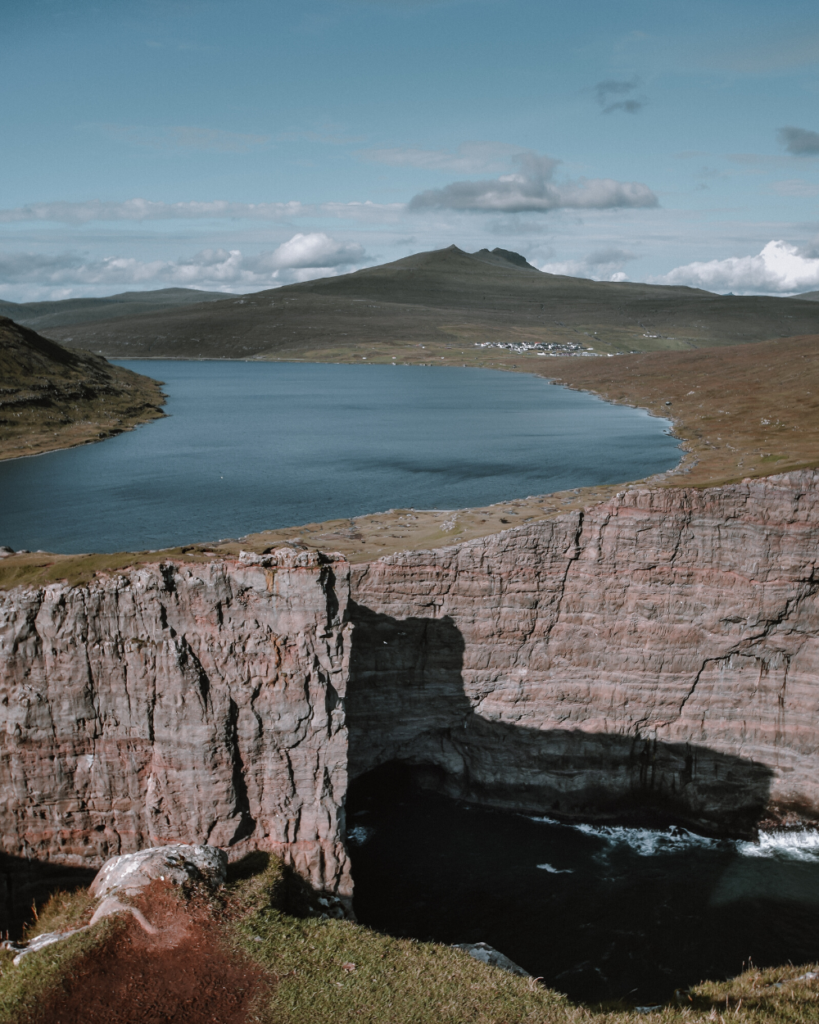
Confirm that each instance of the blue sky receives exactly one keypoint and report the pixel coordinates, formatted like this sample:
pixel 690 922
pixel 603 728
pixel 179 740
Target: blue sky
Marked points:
pixel 237 144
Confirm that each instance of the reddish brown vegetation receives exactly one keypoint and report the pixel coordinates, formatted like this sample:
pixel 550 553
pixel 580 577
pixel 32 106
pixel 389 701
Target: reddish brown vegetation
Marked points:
pixel 183 975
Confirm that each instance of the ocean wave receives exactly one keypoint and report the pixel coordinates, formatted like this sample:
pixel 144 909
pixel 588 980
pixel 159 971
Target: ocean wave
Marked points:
pixel 645 842
pixel 802 845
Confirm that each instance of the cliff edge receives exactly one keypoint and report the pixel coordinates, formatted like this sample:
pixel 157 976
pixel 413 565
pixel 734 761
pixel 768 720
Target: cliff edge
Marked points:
pixel 656 653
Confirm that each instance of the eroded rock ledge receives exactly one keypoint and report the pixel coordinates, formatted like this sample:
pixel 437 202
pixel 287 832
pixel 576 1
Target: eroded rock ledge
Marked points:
pixel 661 649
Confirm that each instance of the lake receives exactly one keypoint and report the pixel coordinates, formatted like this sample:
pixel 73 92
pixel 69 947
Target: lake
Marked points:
pixel 249 446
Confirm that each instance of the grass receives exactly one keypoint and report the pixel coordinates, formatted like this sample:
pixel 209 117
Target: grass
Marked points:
pixel 325 971
pixel 52 398
pixel 330 971
pixel 23 987
pixel 743 411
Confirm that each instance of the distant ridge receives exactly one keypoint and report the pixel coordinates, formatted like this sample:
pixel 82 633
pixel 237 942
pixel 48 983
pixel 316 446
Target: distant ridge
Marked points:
pixel 500 257
pixel 41 316
pixel 445 297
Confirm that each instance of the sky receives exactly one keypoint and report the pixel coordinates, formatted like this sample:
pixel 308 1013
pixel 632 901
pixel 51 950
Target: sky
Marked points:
pixel 238 145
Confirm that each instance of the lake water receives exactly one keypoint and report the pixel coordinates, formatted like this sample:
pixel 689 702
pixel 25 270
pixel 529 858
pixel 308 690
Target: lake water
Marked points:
pixel 598 912
pixel 255 446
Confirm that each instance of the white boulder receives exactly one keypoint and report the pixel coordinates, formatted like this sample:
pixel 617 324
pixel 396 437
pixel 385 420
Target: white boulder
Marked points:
pixel 176 863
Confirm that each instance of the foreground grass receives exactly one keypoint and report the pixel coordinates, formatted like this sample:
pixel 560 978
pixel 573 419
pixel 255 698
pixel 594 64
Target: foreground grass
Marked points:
pixel 24 987
pixel 329 971
pixel 325 971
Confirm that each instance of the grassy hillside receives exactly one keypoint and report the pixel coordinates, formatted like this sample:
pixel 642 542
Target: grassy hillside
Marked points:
pixel 451 299
pixel 52 398
pixel 42 316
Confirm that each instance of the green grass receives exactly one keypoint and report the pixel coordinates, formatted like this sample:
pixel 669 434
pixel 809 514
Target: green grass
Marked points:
pixel 23 987
pixel 326 971
pixel 329 972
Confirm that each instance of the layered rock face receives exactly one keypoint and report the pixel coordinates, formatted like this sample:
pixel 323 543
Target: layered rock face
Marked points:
pixel 661 649
pixel 173 703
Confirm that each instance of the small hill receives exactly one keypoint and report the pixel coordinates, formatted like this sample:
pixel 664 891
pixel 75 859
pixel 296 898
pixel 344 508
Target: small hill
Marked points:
pixel 53 398
pixel 42 316
pixel 809 296
pixel 444 303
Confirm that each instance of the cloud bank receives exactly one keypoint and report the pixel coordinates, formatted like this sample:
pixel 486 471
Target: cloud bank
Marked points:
pixel 780 269
pixel 532 190
pixel 145 209
pixel 302 258
pixel 799 141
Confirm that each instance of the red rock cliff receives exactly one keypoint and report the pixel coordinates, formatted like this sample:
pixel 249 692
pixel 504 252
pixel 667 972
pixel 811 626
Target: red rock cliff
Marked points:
pixel 661 649
pixel 178 703
pixel 657 651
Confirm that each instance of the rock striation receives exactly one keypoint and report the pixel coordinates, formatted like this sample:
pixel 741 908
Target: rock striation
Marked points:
pixel 178 704
pixel 658 651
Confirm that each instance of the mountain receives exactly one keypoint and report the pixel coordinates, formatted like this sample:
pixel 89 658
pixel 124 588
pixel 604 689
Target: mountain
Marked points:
pixel 53 398
pixel 810 296
pixel 42 316
pixel 446 299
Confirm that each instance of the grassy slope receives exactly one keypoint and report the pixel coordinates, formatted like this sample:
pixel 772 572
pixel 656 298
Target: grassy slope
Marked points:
pixel 42 316
pixel 324 971
pixel 447 296
pixel 52 398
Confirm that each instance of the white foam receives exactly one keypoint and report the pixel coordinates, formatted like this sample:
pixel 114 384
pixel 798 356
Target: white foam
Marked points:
pixel 359 835
pixel 645 842
pixel 794 846
pixel 555 871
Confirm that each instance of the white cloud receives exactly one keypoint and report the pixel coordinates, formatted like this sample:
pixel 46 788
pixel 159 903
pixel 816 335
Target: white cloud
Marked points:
pixel 469 158
pixel 779 269
pixel 145 209
pixel 600 265
pixel 302 258
pixel 532 190
pixel 316 250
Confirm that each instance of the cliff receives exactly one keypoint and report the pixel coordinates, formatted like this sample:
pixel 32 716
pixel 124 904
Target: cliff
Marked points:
pixel 659 651
pixel 178 701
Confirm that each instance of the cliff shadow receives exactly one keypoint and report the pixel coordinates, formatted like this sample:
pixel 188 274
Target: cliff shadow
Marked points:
pixel 27 883
pixel 599 913
pixel 406 704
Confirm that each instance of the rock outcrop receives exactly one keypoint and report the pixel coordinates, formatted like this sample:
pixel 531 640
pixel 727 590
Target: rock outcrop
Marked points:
pixel 661 649
pixel 658 651
pixel 129 875
pixel 179 703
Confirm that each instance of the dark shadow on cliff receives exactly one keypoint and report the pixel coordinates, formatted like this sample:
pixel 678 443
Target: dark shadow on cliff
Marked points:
pixel 596 917
pixel 406 703
pixel 27 883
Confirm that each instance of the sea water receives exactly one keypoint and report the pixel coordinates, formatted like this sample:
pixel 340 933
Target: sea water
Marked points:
pixel 598 911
